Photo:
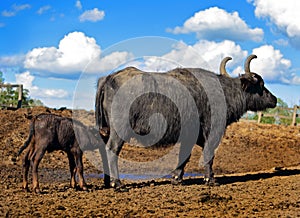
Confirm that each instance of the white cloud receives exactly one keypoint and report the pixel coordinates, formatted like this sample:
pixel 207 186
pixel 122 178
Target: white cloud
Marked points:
pixel 93 15
pixel 215 24
pixel 75 51
pixel 213 53
pixel 15 9
pixel 12 61
pixel 204 54
pixel 108 63
pixel 43 9
pixel 284 14
pixel 78 5
pixel 281 42
pixel 27 79
pixel 272 66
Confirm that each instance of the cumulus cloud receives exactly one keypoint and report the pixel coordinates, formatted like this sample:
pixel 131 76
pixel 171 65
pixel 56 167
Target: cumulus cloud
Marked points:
pixel 78 5
pixel 15 9
pixel 75 51
pixel 204 54
pixel 273 66
pixel 217 24
pixel 284 14
pixel 12 61
pixel 27 79
pixel 43 9
pixel 93 15
pixel 270 64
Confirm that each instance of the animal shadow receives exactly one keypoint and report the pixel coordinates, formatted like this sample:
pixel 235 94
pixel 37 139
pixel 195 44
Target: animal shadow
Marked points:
pixel 223 180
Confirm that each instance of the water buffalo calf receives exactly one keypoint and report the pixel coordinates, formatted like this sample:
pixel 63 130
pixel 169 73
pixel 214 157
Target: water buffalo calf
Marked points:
pixel 49 132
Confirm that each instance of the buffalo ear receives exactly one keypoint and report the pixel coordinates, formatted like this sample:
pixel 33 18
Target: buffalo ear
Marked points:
pixel 246 84
pixel 248 81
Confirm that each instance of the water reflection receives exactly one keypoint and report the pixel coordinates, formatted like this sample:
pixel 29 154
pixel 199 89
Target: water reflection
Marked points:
pixel 143 176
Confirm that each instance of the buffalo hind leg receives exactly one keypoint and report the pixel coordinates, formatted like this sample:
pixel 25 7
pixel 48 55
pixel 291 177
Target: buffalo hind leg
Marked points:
pixel 113 149
pixel 183 159
pixel 177 174
pixel 102 150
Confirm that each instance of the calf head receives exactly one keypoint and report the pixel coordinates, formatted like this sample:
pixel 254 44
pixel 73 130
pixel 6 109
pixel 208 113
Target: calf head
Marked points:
pixel 257 95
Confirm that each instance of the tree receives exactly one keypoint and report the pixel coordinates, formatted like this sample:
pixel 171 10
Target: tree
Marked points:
pixel 1 78
pixel 9 96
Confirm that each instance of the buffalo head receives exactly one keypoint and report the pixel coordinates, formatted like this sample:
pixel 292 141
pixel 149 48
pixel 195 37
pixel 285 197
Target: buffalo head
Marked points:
pixel 257 95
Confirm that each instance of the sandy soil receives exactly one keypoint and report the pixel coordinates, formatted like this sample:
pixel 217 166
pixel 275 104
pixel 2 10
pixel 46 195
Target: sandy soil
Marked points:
pixel 257 166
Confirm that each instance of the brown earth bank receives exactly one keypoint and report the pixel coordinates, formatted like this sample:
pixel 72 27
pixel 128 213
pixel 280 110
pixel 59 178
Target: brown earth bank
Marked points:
pixel 257 166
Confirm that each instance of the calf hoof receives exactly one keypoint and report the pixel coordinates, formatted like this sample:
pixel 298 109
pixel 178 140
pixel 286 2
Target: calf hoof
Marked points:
pixel 115 183
pixel 26 189
pixel 84 188
pixel 37 190
pixel 176 180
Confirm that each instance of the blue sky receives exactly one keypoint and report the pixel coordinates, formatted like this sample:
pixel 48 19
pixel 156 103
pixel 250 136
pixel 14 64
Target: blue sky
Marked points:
pixel 59 49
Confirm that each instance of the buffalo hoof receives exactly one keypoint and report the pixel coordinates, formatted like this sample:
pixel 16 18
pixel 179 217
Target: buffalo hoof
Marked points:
pixel 211 182
pixel 176 180
pixel 115 183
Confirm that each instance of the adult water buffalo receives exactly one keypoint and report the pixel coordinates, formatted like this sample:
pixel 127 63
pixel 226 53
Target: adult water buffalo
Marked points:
pixel 49 132
pixel 185 105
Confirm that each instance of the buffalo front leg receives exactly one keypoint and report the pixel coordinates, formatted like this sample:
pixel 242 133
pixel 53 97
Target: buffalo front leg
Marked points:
pixel 209 175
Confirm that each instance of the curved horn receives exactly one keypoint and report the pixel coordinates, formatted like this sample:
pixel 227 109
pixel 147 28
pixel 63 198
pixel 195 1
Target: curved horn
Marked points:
pixel 247 63
pixel 222 66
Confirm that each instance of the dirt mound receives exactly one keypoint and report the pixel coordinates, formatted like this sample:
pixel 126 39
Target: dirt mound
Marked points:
pixel 247 148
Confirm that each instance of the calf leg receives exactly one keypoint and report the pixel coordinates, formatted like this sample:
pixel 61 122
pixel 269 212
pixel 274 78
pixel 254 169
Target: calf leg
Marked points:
pixel 72 166
pixel 25 168
pixel 35 161
pixel 79 169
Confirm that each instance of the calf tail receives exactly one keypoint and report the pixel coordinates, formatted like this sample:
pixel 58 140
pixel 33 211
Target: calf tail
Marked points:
pixel 31 133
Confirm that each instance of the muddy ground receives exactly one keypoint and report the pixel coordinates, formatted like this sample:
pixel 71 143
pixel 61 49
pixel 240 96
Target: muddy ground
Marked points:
pixel 257 166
